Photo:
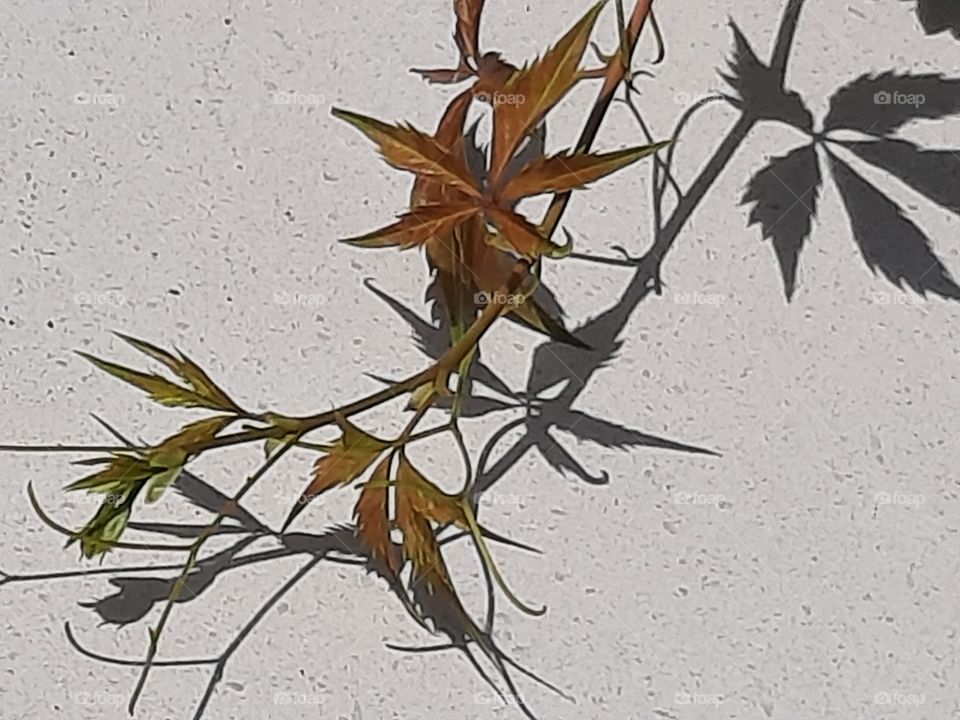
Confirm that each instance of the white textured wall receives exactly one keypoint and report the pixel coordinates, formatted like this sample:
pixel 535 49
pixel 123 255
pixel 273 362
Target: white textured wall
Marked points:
pixel 184 209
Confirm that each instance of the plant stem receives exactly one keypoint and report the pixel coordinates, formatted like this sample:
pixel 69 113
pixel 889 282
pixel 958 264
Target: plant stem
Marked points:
pixel 617 70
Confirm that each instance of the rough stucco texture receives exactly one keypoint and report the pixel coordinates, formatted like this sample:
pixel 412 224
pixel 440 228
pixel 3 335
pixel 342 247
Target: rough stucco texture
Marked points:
pixel 152 182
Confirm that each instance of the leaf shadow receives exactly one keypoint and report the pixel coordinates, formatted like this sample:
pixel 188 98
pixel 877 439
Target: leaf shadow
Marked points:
pixel 937 16
pixel 784 192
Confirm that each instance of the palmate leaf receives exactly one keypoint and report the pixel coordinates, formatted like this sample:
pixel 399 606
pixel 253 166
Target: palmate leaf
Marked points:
pixel 889 241
pixel 932 173
pixel 880 104
pixel 536 89
pixel 418 226
pixel 559 173
pixel 785 197
pixel 409 149
pixel 352 454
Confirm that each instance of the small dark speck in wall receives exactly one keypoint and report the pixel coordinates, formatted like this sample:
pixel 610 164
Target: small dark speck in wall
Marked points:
pixel 227 21
pixel 173 291
pixel 50 324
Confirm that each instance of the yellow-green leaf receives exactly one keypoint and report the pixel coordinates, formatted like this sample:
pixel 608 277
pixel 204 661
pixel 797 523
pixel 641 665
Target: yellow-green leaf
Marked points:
pixel 187 370
pixel 159 389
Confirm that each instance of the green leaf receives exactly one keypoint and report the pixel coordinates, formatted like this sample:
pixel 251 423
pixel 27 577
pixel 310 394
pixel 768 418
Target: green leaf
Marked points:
pixel 188 371
pixel 158 484
pixel 159 389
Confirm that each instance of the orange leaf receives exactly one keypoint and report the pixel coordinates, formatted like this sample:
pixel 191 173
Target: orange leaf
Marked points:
pixel 416 227
pixel 353 453
pixel 373 523
pixel 427 499
pixel 444 76
pixel 467 34
pixel 560 173
pixel 449 134
pixel 532 91
pixel 409 149
pixel 519 232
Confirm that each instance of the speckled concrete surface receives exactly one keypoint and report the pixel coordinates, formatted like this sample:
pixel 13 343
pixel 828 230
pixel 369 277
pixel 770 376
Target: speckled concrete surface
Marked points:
pixel 152 182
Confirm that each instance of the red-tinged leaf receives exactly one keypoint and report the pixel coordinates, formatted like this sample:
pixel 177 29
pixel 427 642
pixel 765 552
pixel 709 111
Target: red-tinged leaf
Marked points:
pixel 426 498
pixel 559 173
pixel 419 542
pixel 416 227
pixel 444 76
pixel 522 235
pixel 467 34
pixel 197 431
pixel 449 134
pixel 532 91
pixel 353 453
pixel 373 523
pixel 409 149
pixel 493 72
